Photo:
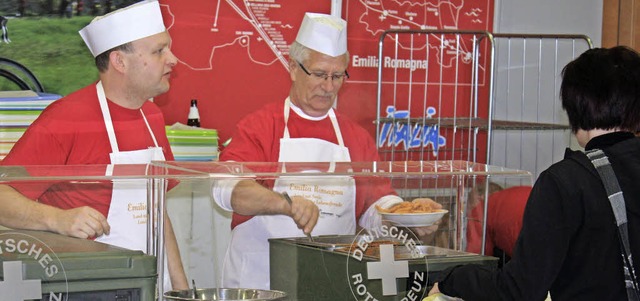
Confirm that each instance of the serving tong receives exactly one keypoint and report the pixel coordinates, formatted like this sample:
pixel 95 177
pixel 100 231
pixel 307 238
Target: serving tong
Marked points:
pixel 194 294
pixel 288 199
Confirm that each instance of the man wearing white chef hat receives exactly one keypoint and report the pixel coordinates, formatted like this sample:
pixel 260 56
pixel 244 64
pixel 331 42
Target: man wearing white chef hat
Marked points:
pixel 108 122
pixel 303 128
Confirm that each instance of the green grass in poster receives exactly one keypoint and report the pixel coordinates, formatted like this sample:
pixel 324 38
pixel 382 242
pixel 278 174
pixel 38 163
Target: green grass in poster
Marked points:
pixel 53 50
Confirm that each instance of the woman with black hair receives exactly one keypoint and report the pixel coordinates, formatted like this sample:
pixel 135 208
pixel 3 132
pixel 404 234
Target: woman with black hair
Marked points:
pixel 581 225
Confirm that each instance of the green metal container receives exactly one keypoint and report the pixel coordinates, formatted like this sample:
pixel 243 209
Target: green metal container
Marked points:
pixel 327 268
pixel 74 269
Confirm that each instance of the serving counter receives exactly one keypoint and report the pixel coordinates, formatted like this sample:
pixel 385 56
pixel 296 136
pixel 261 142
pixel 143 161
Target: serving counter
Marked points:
pixel 36 264
pixel 318 271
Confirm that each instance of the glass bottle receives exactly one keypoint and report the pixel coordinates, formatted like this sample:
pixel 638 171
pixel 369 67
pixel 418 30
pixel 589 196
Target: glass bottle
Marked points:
pixel 194 116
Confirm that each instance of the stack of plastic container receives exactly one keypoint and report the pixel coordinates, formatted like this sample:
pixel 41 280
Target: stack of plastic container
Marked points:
pixel 193 143
pixel 18 109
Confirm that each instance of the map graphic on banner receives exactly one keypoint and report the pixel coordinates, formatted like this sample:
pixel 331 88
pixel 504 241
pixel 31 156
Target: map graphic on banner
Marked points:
pixel 379 16
pixel 233 54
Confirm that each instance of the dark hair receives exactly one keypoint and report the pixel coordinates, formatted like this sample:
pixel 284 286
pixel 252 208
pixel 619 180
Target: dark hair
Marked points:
pixel 102 60
pixel 601 90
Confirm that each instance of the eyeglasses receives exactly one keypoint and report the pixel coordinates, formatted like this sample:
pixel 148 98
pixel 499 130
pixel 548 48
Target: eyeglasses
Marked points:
pixel 324 76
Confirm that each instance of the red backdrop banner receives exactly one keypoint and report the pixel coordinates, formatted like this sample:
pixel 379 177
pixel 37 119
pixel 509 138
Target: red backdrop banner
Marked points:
pixel 233 54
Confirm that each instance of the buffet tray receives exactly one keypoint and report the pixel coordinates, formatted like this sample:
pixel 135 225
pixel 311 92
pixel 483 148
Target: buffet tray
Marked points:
pixel 346 243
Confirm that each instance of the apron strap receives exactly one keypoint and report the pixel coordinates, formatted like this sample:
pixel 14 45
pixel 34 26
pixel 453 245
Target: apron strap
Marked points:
pixel 336 127
pixel 153 137
pixel 616 199
pixel 287 106
pixel 106 115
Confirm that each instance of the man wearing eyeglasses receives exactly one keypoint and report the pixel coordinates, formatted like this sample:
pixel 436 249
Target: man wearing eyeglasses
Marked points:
pixel 302 128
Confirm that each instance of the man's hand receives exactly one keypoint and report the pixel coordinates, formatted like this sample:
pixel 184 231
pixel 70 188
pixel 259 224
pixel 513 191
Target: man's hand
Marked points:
pixel 82 222
pixel 304 213
pixel 434 289
pixel 251 198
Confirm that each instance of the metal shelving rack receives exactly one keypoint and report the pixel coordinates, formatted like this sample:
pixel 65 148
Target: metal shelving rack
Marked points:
pixel 498 87
pixel 489 98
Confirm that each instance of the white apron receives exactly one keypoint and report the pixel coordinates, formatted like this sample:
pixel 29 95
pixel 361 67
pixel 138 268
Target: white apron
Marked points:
pixel 128 208
pixel 247 260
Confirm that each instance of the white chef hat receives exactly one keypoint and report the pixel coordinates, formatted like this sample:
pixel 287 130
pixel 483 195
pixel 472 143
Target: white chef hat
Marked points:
pixel 323 33
pixel 122 26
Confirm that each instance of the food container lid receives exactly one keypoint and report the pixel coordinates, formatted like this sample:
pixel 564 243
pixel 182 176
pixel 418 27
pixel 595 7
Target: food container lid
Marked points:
pixel 227 294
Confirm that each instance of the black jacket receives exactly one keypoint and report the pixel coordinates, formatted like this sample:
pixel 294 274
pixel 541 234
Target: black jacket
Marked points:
pixel 568 244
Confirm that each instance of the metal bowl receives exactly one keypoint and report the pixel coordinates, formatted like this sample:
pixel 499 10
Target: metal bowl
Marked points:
pixel 227 294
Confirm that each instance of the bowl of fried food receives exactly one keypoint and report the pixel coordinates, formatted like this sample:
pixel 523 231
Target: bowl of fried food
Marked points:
pixel 417 213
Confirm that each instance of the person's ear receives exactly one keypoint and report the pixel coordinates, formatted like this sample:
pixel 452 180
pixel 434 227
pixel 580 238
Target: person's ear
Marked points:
pixel 117 60
pixel 292 69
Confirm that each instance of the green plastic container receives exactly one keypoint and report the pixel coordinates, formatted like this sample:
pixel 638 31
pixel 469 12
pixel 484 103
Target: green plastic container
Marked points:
pixel 193 144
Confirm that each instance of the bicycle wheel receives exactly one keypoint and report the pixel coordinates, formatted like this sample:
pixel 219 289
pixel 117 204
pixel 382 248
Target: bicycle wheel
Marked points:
pixel 15 79
pixel 21 72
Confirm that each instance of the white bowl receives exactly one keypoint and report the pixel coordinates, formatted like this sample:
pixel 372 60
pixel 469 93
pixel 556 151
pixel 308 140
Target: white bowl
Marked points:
pixel 414 219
